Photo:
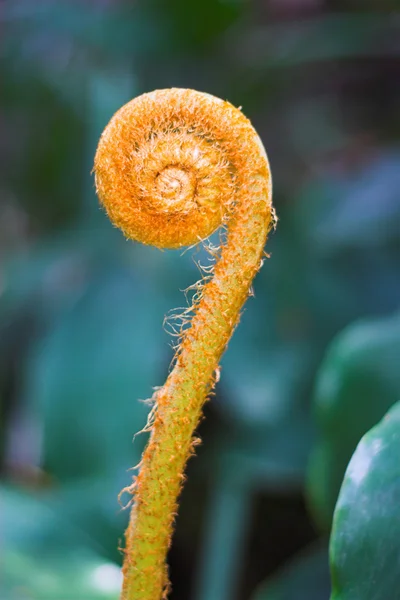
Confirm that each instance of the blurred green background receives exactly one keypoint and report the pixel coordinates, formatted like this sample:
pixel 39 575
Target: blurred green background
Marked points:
pixel 315 361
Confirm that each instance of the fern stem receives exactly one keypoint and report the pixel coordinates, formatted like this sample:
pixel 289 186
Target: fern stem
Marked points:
pixel 208 153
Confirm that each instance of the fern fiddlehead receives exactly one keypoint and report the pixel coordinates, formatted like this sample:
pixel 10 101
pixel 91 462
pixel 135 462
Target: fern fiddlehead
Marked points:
pixel 170 168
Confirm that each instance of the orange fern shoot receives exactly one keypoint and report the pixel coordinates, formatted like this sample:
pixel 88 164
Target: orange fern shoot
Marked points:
pixel 171 167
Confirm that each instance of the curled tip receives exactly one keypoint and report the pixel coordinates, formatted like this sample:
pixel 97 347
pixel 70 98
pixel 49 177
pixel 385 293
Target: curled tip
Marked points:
pixel 167 164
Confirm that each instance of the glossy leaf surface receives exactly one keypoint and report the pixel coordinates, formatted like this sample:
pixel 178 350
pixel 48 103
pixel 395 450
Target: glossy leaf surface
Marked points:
pixel 365 541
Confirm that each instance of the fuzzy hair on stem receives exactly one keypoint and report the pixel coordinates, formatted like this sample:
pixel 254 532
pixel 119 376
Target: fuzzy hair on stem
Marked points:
pixel 170 168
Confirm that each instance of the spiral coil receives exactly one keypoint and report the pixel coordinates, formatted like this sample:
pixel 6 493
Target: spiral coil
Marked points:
pixel 167 166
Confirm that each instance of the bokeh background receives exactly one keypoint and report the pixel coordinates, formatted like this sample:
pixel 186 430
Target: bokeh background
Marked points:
pixel 314 362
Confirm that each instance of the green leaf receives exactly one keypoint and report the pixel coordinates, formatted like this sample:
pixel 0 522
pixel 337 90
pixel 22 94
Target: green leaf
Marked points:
pixel 79 575
pixel 92 505
pixel 365 541
pixel 358 382
pixel 88 374
pixel 306 577
pixel 44 557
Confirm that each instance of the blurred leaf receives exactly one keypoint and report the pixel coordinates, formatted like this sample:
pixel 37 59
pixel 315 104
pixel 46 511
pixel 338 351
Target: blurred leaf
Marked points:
pixel 357 383
pixel 266 458
pixel 45 278
pixel 264 391
pixel 30 523
pixel 365 541
pixel 356 218
pixel 88 374
pixel 46 558
pixel 306 577
pixel 319 39
pixel 199 29
pixel 91 504
pixel 347 234
pixel 34 171
pixel 121 29
pixel 79 575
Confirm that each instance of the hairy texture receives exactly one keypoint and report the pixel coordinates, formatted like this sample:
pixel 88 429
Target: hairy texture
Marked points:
pixel 171 167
